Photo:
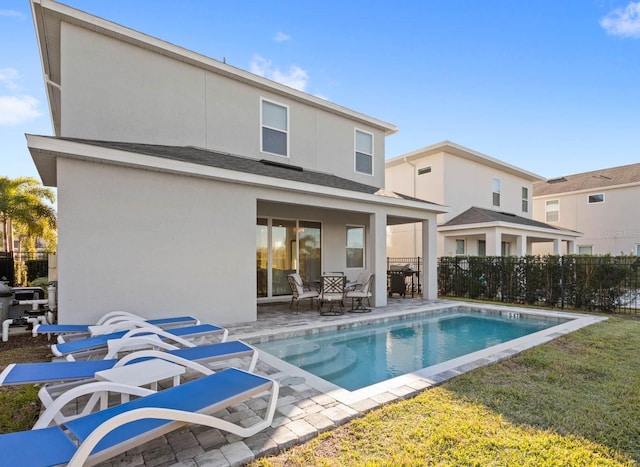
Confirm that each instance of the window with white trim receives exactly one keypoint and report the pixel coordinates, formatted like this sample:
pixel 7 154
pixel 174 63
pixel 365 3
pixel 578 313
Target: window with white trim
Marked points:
pixel 274 138
pixel 552 210
pixel 364 152
pixel 482 248
pixel 459 247
pixel 585 249
pixel 496 192
pixel 637 249
pixel 597 198
pixel 506 248
pixel 355 246
pixel 525 199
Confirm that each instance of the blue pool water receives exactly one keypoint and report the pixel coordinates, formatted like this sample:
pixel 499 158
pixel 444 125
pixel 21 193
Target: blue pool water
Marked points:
pixel 360 356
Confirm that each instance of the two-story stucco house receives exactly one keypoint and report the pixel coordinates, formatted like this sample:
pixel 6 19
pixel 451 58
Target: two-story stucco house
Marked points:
pixel 186 185
pixel 603 204
pixel 490 204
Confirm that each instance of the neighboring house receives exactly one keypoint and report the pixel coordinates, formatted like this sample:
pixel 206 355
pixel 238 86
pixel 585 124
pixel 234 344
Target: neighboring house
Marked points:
pixel 490 204
pixel 603 204
pixel 188 186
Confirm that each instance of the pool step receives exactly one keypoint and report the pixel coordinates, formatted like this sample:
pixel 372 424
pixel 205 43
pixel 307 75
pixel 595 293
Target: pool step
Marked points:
pixel 320 356
pixel 344 361
pixel 298 350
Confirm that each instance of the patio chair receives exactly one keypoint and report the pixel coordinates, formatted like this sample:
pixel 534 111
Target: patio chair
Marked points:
pixel 108 319
pixel 332 291
pixel 358 293
pixel 104 434
pixel 359 282
pixel 87 348
pixel 298 291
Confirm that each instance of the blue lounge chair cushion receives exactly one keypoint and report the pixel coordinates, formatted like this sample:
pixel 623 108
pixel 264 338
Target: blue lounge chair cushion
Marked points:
pixel 195 396
pixel 49 446
pixel 31 373
pixel 100 341
pixel 61 328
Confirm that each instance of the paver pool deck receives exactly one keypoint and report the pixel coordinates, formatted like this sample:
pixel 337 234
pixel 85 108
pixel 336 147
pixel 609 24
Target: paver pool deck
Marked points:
pixel 308 405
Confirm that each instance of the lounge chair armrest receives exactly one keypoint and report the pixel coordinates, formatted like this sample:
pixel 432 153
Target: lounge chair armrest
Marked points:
pixel 54 408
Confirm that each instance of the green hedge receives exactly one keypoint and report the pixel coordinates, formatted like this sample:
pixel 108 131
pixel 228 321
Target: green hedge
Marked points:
pixel 604 283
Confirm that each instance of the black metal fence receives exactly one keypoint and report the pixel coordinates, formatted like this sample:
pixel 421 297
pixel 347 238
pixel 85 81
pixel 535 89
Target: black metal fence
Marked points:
pixel 595 283
pixel 36 265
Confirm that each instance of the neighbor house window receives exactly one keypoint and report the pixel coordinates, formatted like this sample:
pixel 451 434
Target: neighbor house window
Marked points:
pixel 459 247
pixel 482 248
pixel 552 210
pixel 424 170
pixel 506 249
pixel 275 128
pixel 638 249
pixel 525 199
pixel 599 198
pixel 355 247
pixel 496 192
pixel 364 152
pixel 585 250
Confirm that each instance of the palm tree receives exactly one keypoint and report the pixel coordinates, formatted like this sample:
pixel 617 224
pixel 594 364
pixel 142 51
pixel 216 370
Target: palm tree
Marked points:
pixel 25 203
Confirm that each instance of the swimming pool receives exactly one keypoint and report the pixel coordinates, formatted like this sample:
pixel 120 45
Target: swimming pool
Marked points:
pixel 370 353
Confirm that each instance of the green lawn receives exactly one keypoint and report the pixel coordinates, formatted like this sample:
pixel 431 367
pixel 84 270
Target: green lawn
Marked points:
pixel 573 401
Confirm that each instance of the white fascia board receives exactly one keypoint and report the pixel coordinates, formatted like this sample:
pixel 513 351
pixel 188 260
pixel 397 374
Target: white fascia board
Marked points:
pixel 506 225
pixel 447 147
pixel 48 147
pixel 130 36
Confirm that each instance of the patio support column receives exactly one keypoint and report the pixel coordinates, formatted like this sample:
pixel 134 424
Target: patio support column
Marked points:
pixel 494 245
pixel 378 258
pixel 429 279
pixel 557 246
pixel 521 245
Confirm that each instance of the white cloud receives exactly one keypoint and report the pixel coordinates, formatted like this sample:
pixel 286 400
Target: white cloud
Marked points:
pixel 295 77
pixel 281 37
pixel 11 13
pixel 623 22
pixel 8 77
pixel 15 110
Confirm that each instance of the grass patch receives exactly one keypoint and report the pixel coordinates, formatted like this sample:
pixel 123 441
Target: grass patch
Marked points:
pixel 573 401
pixel 19 405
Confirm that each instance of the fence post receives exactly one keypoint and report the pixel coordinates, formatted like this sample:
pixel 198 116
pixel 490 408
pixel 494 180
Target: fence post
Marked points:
pixel 562 282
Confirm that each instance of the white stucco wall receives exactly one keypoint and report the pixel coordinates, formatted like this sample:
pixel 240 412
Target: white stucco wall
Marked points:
pixel 116 91
pixel 612 227
pixel 153 244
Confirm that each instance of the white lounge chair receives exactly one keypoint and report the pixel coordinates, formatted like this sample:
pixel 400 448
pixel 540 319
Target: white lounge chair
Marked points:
pixel 64 371
pixel 106 433
pixel 86 348
pixel 112 318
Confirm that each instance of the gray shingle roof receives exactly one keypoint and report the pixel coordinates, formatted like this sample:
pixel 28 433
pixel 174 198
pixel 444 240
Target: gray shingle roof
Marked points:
pixel 475 215
pixel 589 180
pixel 231 162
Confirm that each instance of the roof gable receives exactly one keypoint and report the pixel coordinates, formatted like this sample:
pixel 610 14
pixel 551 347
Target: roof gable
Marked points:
pixel 475 215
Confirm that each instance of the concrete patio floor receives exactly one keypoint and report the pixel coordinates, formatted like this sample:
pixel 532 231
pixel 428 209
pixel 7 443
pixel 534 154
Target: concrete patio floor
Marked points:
pixel 308 405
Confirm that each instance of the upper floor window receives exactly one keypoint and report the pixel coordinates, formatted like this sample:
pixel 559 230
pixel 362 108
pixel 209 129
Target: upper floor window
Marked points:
pixel 496 192
pixel 364 152
pixel 424 170
pixel 552 210
pixel 598 198
pixel 525 199
pixel 355 246
pixel 275 128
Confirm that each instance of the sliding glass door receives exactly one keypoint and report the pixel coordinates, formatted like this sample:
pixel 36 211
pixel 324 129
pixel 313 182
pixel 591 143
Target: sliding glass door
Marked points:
pixel 285 246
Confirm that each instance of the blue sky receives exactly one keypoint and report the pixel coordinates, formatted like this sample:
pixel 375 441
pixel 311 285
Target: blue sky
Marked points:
pixel 551 86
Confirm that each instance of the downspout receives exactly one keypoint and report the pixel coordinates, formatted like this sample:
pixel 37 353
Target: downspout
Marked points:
pixel 415 227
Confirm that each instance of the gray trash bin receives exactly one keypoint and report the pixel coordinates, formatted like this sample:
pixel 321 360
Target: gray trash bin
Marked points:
pixel 6 299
